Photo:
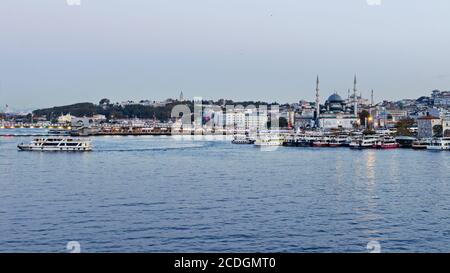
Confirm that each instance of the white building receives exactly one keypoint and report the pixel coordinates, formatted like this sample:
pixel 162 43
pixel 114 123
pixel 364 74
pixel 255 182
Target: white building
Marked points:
pixel 65 118
pixel 337 121
pixel 425 126
pixel 99 118
pixel 246 120
pixel 446 127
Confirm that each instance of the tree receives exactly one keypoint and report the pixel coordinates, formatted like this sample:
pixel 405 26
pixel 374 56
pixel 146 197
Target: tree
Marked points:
pixel 403 127
pixel 104 101
pixel 438 130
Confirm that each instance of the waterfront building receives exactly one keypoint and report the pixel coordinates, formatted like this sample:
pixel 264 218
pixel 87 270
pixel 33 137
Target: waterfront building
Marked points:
pixel 98 118
pixel 213 116
pixel 425 126
pixel 395 115
pixel 337 121
pixel 86 121
pixel 246 119
pixel 446 126
pixel 65 118
pixel 387 118
pixel 305 117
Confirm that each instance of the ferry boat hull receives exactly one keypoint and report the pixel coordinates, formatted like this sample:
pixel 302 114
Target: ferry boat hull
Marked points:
pixel 387 146
pixel 437 148
pixel 419 147
pixel 360 147
pixel 243 141
pixel 320 144
pixel 26 147
pixel 267 144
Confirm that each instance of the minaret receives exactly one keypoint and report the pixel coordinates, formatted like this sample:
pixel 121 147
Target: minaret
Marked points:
pixel 181 96
pixel 317 99
pixel 355 98
pixel 371 98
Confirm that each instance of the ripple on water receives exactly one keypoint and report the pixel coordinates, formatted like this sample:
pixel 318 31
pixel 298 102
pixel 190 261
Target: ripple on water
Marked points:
pixel 172 194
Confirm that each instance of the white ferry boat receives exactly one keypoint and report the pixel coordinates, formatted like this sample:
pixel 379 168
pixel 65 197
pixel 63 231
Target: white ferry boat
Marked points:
pixel 421 144
pixel 439 144
pixel 386 143
pixel 322 142
pixel 339 141
pixel 270 140
pixel 366 142
pixel 57 144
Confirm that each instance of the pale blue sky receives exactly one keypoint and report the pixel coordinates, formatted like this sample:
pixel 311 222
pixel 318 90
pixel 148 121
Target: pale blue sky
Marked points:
pixel 53 54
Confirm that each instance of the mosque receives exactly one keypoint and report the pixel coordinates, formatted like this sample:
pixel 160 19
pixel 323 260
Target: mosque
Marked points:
pixel 336 113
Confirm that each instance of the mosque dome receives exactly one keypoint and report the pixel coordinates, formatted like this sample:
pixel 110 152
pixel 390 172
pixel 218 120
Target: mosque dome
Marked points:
pixel 335 98
pixel 335 103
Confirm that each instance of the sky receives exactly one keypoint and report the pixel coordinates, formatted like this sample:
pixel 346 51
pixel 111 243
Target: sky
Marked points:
pixel 52 53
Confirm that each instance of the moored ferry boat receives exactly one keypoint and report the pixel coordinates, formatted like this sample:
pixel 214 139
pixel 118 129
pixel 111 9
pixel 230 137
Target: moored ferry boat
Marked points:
pixel 269 140
pixel 421 144
pixel 439 144
pixel 365 142
pixel 339 141
pixel 322 142
pixel 57 144
pixel 386 143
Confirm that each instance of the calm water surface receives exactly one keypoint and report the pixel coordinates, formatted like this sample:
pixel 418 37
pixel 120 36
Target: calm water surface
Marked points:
pixel 172 194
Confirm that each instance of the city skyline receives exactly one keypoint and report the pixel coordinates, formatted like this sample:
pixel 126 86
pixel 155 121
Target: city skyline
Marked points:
pixel 260 50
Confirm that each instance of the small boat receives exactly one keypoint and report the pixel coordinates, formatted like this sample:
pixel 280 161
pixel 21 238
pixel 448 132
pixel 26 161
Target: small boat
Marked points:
pixel 421 144
pixel 242 140
pixel 386 143
pixel 439 144
pixel 57 144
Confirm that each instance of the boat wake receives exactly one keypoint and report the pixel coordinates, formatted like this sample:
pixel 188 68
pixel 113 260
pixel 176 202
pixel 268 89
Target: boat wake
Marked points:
pixel 155 149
